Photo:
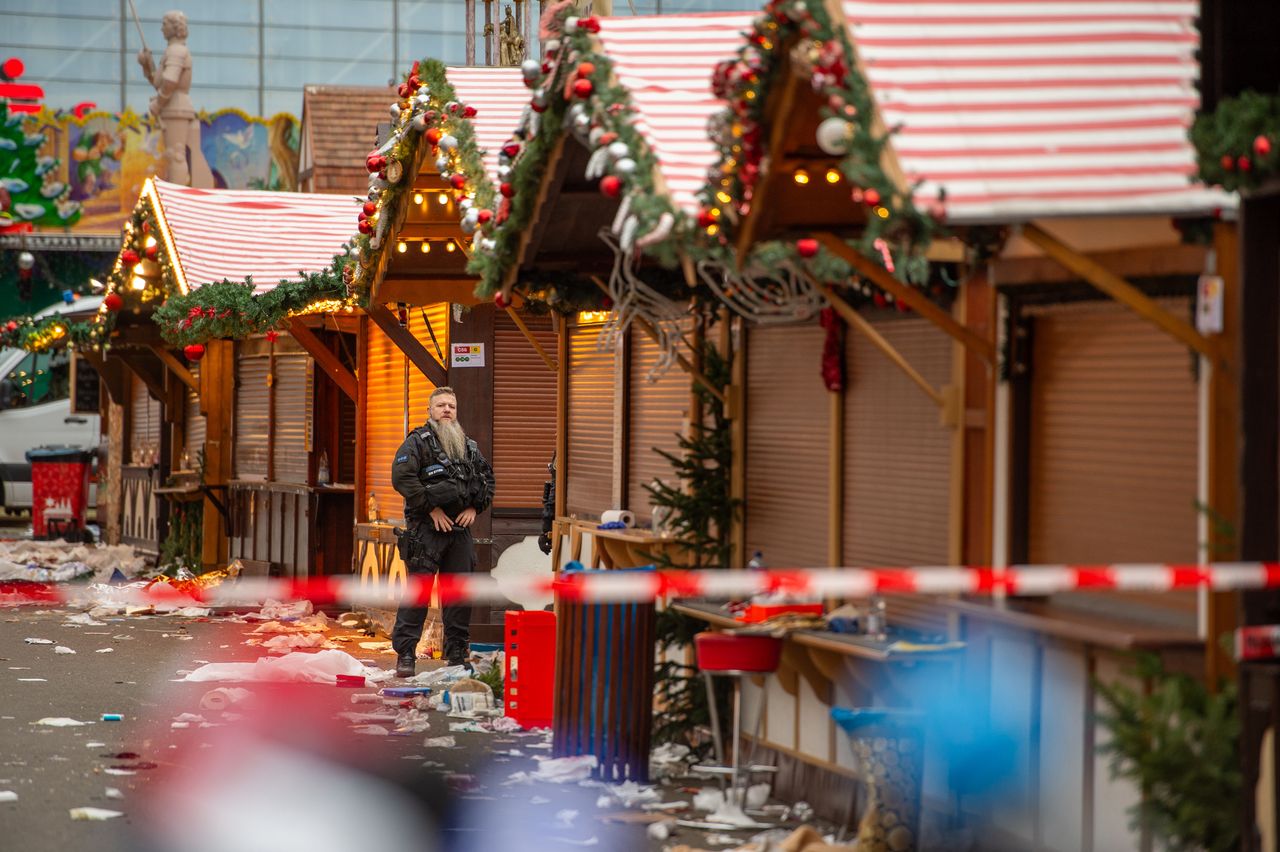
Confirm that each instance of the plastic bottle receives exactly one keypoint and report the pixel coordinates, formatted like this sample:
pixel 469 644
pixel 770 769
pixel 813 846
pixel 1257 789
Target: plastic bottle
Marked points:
pixel 757 562
pixel 322 468
pixel 372 506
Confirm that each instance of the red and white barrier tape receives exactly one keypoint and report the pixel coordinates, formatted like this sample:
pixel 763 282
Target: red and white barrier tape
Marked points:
pixel 637 586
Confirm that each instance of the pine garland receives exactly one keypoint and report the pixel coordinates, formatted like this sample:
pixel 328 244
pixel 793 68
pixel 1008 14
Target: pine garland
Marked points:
pixel 1236 144
pixel 428 113
pixel 54 332
pixel 576 91
pixel 897 232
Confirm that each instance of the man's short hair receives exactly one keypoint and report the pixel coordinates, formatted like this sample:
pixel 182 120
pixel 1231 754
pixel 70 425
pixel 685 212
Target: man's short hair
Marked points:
pixel 443 391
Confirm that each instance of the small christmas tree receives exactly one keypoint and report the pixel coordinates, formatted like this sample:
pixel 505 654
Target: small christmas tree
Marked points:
pixel 30 192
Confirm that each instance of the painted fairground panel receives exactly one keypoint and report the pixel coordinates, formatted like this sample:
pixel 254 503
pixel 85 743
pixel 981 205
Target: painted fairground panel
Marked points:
pixel 89 169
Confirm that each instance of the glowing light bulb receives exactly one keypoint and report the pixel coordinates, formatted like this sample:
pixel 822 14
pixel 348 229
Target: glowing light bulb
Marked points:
pixel 151 241
pixel 449 246
pixel 402 247
pixel 138 282
pixel 833 176
pixel 801 177
pixel 442 198
pixel 417 198
pixel 723 197
pixel 713 229
pixel 426 247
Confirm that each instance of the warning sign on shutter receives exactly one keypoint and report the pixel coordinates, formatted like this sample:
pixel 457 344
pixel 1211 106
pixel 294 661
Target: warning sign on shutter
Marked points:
pixel 468 355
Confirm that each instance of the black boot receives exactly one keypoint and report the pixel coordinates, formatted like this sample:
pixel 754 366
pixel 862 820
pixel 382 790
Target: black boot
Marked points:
pixel 406 665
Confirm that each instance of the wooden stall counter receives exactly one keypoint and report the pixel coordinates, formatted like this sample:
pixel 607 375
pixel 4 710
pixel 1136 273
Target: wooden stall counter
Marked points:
pixel 612 548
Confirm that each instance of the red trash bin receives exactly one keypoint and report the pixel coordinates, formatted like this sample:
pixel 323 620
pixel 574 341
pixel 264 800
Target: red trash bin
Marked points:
pixel 528 688
pixel 59 490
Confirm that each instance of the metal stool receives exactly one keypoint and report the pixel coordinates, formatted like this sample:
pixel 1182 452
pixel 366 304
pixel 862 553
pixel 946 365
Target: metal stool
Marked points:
pixel 740 656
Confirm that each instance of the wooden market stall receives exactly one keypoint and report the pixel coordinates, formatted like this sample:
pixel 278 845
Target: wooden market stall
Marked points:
pixel 234 444
pixel 424 328
pixel 1074 284
pixel 630 340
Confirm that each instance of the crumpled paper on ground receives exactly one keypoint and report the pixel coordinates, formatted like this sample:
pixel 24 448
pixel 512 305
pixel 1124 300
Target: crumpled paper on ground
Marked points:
pixel 95 814
pixel 22 559
pixel 566 770
pixel 282 643
pixel 273 610
pixel 297 667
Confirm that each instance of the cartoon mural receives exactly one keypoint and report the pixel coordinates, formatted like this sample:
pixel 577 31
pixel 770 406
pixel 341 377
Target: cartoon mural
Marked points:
pixel 100 160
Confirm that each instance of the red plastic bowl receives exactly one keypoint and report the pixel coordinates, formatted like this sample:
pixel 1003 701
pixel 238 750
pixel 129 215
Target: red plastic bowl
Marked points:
pixel 726 652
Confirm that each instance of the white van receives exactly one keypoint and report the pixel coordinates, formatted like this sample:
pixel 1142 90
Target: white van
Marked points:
pixel 35 410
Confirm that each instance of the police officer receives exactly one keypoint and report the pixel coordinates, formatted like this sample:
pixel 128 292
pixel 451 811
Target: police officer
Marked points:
pixel 446 482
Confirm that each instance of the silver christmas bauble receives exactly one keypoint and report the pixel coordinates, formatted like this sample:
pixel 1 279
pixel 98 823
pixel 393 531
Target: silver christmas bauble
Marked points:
pixel 618 150
pixel 504 172
pixel 442 165
pixel 419 123
pixel 833 135
pixel 625 166
pixel 448 142
pixel 394 109
pixel 530 68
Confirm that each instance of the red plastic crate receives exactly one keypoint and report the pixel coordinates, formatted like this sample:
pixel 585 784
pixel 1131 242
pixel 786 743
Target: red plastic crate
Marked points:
pixel 760 612
pixel 529 679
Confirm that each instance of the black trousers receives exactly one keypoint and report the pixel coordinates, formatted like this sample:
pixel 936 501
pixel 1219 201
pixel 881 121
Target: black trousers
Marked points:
pixel 456 555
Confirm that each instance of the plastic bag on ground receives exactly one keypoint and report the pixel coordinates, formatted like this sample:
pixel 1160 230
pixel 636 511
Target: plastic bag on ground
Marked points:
pixel 297 667
pixel 566 770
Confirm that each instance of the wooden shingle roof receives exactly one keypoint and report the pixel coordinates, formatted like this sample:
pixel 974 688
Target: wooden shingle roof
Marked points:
pixel 339 128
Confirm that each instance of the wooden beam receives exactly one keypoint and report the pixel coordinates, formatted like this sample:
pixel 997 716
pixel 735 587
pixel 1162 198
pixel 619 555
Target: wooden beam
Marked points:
pixel 835 478
pixel 548 189
pixel 324 356
pixel 647 328
pixel 1119 289
pixel 779 106
pixel 176 367
pixel 147 373
pixel 533 341
pixel 409 345
pixel 112 372
pixel 855 319
pixel 917 301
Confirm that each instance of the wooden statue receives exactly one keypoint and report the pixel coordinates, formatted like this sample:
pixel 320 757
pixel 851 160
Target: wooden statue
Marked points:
pixel 172 106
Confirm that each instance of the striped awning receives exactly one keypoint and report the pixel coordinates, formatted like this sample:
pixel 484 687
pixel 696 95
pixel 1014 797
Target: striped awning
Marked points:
pixel 499 97
pixel 1024 109
pixel 212 234
pixel 665 62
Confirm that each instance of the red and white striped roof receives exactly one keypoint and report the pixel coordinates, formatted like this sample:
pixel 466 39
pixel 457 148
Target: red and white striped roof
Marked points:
pixel 1023 109
pixel 213 234
pixel 499 97
pixel 665 62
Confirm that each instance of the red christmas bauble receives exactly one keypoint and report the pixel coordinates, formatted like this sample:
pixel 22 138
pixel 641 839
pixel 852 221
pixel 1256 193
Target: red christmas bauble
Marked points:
pixel 1262 146
pixel 468 111
pixel 193 351
pixel 511 148
pixel 500 300
pixel 13 326
pixel 404 90
pixel 705 218
pixel 433 135
pixel 152 251
pixel 112 301
pixel 369 208
pixel 129 257
pixel 871 197
pixel 610 186
pixel 590 24
pixel 880 300
pixel 414 81
pixel 586 69
pixel 807 247
pixel 458 181
pixel 1228 162
pixel 484 216
pixel 1243 164
pixel 507 190
pixel 371 163
pixel 607 137
pixel 583 88
pixel 365 227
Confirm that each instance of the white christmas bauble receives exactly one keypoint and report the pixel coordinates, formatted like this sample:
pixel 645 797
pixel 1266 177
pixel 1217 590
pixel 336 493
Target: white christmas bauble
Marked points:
pixel 596 133
pixel 442 165
pixel 504 172
pixel 577 110
pixel 448 142
pixel 419 123
pixel 625 166
pixel 571 24
pixel 618 149
pixel 552 45
pixel 833 135
pixel 530 68
pixel 394 109
pixel 488 244
pixel 465 204
pixel 581 122
pixel 472 215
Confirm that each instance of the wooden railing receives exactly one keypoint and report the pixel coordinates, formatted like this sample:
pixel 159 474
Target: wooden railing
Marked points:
pixel 290 526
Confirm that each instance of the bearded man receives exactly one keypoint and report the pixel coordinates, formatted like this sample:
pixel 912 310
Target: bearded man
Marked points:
pixel 446 482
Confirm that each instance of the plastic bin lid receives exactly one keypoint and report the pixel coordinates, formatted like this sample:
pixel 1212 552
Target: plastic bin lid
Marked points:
pixel 60 454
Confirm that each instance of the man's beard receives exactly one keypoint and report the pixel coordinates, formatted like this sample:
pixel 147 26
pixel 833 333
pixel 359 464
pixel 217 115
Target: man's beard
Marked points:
pixel 452 439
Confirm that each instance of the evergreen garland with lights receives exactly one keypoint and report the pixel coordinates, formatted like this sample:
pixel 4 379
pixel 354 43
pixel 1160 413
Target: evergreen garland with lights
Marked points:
pixel 1236 144
pixel 427 120
pixel 897 232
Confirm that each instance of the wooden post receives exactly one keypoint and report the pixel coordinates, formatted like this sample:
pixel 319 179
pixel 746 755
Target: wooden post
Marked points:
pixel 362 414
pixel 117 436
pixel 324 357
pixel 217 403
pixel 1222 612
pixel 408 344
pixel 835 479
pixel 470 13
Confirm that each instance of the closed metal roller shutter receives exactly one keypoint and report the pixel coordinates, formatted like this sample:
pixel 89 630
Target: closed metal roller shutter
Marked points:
pixel 387 401
pixel 897 452
pixel 787 440
pixel 252 419
pixel 195 424
pixel 659 412
pixel 524 411
pixel 1113 441
pixel 144 425
pixel 291 434
pixel 590 466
